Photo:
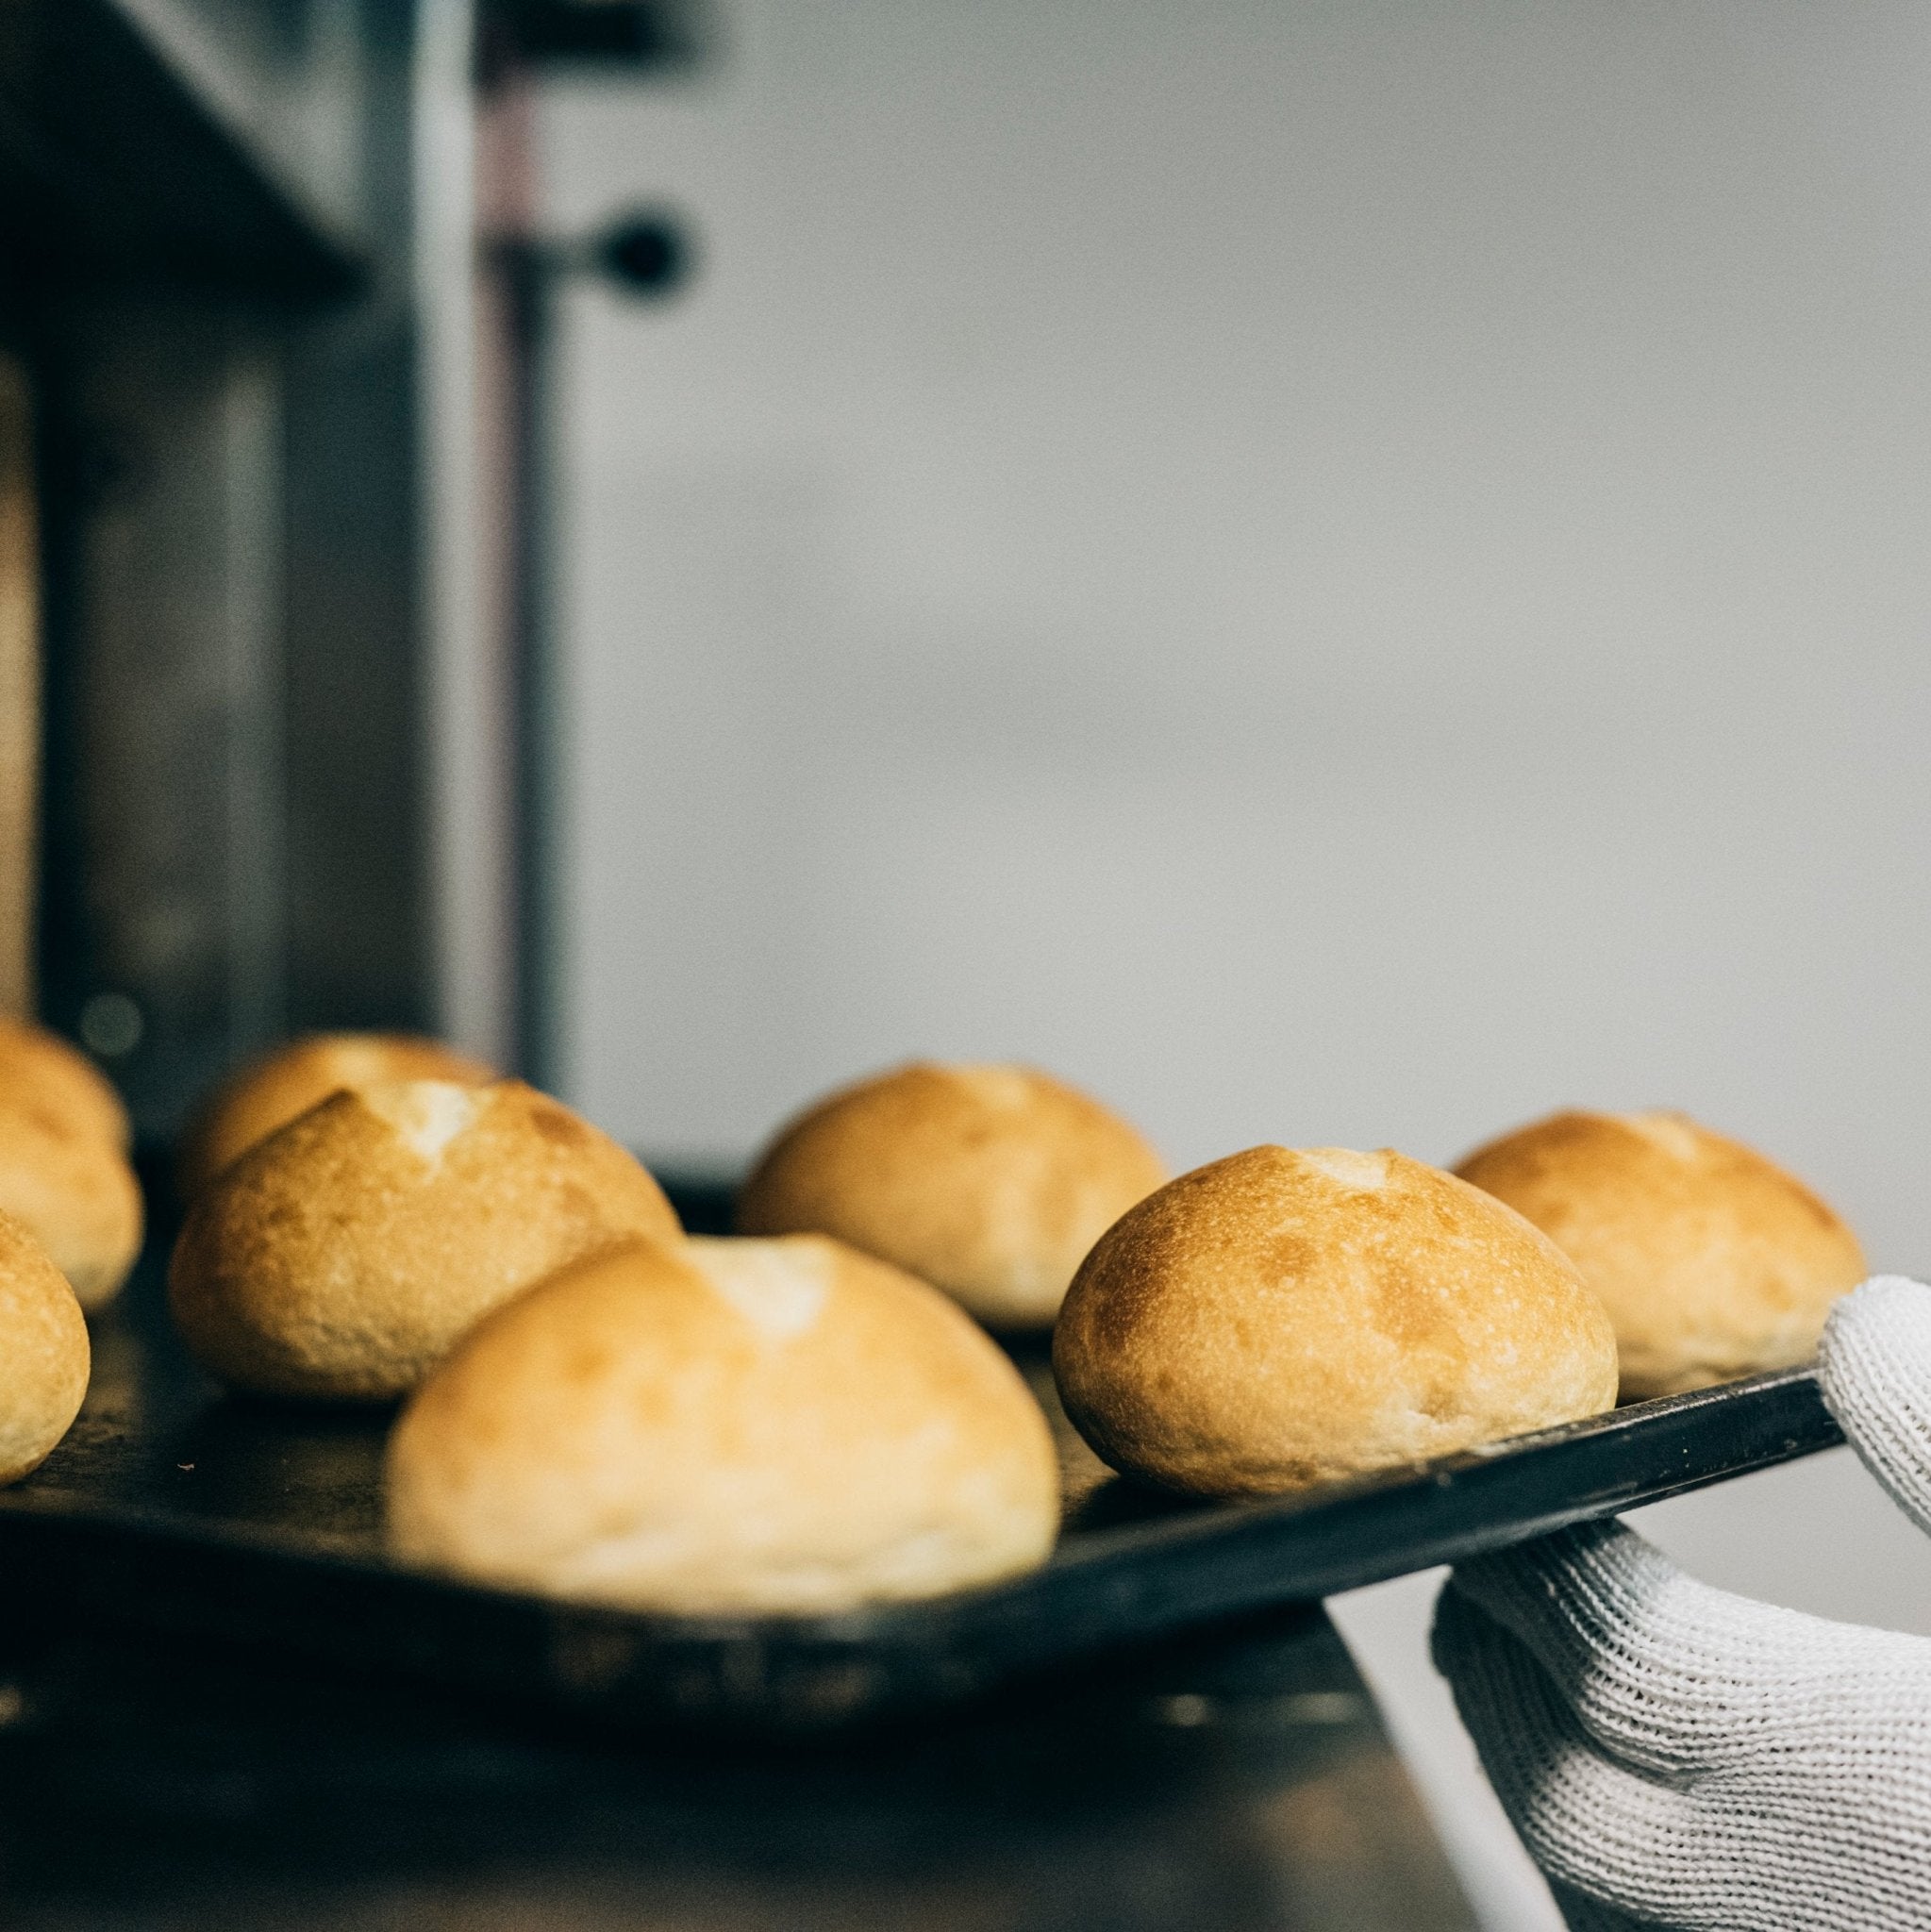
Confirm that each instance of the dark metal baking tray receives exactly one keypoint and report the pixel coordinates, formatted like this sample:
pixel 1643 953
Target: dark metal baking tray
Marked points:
pixel 172 1507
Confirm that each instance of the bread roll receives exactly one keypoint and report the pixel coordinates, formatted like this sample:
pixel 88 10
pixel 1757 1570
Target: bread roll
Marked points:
pixel 1712 1262
pixel 43 1352
pixel 1281 1318
pixel 270 1092
pixel 725 1426
pixel 342 1257
pixel 42 1073
pixel 990 1182
pixel 75 1193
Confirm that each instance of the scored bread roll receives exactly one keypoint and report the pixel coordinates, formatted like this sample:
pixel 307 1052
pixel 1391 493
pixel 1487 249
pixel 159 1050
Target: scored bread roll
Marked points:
pixel 990 1182
pixel 340 1257
pixel 75 1193
pixel 1285 1317
pixel 40 1073
pixel 43 1352
pixel 271 1091
pixel 1712 1262
pixel 725 1426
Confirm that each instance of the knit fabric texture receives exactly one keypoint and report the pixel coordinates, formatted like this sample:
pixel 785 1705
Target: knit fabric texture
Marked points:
pixel 1675 1756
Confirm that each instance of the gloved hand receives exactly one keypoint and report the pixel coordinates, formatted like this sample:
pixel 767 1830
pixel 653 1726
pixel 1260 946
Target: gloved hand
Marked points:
pixel 1676 1755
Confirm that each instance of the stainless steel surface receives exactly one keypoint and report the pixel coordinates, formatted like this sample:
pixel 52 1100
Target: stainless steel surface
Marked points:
pixel 210 242
pixel 164 876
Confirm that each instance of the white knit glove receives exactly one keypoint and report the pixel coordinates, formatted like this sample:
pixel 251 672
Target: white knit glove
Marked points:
pixel 1675 1756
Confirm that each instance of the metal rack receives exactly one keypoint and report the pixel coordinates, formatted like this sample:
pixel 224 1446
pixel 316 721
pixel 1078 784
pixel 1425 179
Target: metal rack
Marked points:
pixel 232 237
pixel 205 230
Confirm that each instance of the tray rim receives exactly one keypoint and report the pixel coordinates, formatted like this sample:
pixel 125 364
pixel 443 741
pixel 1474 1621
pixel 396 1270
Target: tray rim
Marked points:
pixel 1117 1587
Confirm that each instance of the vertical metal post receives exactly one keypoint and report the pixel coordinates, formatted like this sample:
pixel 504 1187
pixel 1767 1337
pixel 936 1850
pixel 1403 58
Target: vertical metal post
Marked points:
pixel 648 255
pixel 536 842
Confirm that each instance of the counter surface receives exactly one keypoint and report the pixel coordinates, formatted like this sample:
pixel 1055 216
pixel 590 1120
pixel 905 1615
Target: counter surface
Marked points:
pixel 1240 1782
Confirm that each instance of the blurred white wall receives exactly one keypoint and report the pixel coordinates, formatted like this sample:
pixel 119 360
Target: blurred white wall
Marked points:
pixel 1344 573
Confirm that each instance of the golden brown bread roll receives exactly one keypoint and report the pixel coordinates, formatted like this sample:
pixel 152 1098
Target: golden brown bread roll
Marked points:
pixel 1284 1317
pixel 271 1091
pixel 990 1182
pixel 43 1352
pixel 40 1071
pixel 76 1194
pixel 1712 1262
pixel 63 1160
pixel 725 1426
pixel 342 1257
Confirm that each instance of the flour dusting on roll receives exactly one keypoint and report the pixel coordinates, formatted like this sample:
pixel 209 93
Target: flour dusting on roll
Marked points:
pixel 343 1257
pixel 273 1090
pixel 1282 1317
pixel 725 1426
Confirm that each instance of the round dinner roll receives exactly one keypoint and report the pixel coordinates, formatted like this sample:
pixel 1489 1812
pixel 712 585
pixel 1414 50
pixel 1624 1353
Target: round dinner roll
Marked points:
pixel 727 1425
pixel 271 1091
pixel 43 1352
pixel 1712 1262
pixel 342 1257
pixel 74 1192
pixel 1285 1317
pixel 990 1182
pixel 39 1071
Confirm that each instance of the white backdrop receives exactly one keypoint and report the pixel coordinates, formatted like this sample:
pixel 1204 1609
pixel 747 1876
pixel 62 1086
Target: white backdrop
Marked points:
pixel 1345 573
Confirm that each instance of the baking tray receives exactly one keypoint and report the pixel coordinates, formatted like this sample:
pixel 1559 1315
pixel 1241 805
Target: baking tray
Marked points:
pixel 170 1507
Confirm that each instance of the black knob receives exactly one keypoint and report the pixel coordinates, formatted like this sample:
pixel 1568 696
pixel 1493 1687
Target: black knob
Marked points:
pixel 648 255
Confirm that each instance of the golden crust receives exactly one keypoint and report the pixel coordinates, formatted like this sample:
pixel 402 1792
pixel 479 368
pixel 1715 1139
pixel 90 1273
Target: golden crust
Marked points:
pixel 43 1352
pixel 40 1072
pixel 990 1182
pixel 343 1256
pixel 1281 1318
pixel 77 1195
pixel 273 1090
pixel 1712 1262
pixel 728 1425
